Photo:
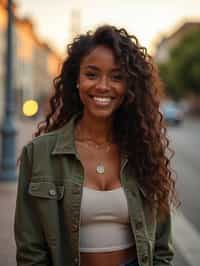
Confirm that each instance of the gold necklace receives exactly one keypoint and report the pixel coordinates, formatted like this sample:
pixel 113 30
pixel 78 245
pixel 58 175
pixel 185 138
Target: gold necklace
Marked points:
pixel 100 168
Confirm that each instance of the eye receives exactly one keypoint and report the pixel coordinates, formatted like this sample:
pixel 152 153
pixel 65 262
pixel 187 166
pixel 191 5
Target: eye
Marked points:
pixel 91 75
pixel 117 77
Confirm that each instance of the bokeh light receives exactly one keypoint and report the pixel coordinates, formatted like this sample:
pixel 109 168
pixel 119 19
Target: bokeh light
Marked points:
pixel 30 108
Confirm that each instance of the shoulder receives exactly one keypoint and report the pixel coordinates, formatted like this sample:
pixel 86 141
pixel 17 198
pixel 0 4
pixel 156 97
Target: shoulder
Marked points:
pixel 55 142
pixel 43 143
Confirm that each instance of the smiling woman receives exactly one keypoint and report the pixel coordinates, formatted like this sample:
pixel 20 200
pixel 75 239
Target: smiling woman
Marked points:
pixel 101 83
pixel 95 185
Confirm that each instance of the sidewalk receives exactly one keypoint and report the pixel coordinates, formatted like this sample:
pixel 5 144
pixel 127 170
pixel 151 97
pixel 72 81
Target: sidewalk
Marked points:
pixel 8 190
pixel 7 206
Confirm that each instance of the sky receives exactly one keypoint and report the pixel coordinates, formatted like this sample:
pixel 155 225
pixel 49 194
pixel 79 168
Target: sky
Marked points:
pixel 148 20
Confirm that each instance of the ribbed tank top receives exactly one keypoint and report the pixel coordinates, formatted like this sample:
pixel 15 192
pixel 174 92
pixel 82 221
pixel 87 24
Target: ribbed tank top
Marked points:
pixel 105 224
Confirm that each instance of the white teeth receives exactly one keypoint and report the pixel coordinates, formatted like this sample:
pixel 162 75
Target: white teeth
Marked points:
pixel 102 100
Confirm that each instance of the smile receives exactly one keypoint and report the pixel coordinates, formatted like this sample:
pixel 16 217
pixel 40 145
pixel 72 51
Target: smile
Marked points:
pixel 102 101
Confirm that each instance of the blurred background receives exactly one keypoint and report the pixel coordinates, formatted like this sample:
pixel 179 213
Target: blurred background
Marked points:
pixel 32 46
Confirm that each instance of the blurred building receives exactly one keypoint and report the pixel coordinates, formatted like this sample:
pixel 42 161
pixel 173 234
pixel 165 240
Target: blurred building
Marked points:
pixel 24 46
pixel 35 64
pixel 162 53
pixel 75 23
pixel 3 25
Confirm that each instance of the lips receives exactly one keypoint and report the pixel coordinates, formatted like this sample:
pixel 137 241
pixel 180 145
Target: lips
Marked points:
pixel 102 100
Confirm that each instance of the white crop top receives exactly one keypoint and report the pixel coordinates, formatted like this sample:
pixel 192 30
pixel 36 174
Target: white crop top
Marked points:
pixel 105 222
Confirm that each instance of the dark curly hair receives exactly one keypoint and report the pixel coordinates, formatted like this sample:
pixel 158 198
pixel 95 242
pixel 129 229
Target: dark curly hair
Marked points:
pixel 138 124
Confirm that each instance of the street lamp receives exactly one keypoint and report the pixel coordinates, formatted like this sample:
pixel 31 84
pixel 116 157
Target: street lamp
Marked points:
pixel 8 162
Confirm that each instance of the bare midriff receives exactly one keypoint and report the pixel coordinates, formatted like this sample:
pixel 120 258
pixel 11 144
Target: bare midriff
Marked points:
pixel 113 258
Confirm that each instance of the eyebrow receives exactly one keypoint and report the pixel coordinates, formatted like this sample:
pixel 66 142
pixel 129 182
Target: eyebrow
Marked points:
pixel 93 67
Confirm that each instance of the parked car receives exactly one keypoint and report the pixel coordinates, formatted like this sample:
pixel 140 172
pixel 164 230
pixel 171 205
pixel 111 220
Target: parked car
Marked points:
pixel 172 113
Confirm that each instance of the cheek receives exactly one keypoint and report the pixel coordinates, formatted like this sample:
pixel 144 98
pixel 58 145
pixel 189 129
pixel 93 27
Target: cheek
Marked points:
pixel 84 93
pixel 85 85
pixel 83 88
pixel 82 96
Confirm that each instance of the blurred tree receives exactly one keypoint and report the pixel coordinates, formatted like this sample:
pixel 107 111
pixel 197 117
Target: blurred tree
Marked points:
pixel 181 73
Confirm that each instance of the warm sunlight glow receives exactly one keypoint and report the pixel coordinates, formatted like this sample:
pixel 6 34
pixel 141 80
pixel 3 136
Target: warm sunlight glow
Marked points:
pixel 148 20
pixel 3 18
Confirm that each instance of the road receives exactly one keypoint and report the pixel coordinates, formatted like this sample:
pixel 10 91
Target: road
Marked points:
pixel 185 140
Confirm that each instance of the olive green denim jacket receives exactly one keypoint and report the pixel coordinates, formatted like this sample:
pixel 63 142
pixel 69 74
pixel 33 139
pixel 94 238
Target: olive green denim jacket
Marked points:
pixel 47 215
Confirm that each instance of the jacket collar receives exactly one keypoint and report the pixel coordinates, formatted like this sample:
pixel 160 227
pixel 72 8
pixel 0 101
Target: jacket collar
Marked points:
pixel 65 142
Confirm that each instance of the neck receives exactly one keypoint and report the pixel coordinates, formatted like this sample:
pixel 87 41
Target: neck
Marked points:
pixel 97 130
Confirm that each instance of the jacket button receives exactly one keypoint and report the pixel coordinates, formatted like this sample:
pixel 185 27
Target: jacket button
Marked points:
pixel 74 227
pixel 145 258
pixel 52 192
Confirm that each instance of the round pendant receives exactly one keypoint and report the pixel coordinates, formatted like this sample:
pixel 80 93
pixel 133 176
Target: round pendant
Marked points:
pixel 100 169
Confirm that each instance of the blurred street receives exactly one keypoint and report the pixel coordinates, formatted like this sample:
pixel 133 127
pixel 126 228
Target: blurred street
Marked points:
pixel 8 196
pixel 186 142
pixel 32 54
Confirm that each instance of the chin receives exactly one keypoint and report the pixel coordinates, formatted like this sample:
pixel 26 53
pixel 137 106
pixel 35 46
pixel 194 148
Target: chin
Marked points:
pixel 102 114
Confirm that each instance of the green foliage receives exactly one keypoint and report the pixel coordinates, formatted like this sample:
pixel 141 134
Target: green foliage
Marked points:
pixel 181 73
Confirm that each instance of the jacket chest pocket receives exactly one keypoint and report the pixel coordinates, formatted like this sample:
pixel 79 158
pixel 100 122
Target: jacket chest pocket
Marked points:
pixel 46 190
pixel 46 198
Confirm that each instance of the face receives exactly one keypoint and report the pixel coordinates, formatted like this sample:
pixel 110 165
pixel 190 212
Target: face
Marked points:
pixel 101 83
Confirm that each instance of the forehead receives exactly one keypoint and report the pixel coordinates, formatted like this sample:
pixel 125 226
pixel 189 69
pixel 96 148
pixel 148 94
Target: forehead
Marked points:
pixel 101 56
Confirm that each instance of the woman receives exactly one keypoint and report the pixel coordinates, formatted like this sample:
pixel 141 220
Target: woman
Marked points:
pixel 95 187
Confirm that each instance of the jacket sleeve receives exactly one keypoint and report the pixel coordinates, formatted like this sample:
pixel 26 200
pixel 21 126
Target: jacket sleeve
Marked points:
pixel 31 248
pixel 163 252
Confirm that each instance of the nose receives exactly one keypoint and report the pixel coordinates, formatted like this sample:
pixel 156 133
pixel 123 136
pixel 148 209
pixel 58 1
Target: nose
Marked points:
pixel 103 84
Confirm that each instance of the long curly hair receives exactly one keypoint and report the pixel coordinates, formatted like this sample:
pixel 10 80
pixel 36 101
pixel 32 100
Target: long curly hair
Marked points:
pixel 139 129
